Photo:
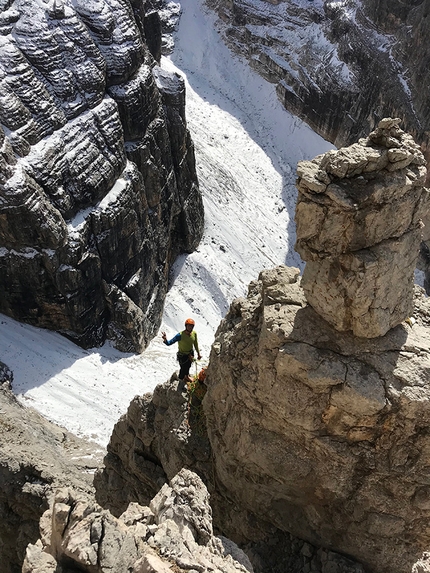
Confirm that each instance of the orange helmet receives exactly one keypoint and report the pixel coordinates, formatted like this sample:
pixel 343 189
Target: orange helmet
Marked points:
pixel 189 321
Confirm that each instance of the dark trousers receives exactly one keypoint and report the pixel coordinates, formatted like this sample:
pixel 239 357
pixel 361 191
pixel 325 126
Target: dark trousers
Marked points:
pixel 185 361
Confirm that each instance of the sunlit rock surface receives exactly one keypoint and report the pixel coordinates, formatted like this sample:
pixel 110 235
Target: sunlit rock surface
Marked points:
pixel 98 190
pixel 359 218
pixel 166 431
pixel 319 432
pixel 173 534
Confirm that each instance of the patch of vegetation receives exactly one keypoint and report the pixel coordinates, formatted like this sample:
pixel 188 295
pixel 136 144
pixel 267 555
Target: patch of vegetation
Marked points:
pixel 196 389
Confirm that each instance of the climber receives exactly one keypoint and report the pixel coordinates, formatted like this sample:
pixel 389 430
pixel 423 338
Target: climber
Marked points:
pixel 187 339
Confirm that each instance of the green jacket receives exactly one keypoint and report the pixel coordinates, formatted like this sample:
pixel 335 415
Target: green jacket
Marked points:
pixel 185 342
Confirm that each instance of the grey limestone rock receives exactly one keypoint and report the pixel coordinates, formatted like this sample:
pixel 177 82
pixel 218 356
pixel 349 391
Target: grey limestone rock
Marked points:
pixel 359 217
pixel 157 437
pixel 36 457
pixel 149 445
pixel 50 521
pixel 6 375
pixel 173 534
pixel 98 188
pixel 321 433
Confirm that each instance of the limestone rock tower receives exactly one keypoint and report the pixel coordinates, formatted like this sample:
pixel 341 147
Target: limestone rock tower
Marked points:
pixel 359 217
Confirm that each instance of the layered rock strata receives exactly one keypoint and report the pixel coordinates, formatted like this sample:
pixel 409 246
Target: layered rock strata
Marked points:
pixel 98 187
pixel 173 534
pixel 359 215
pixel 340 66
pixel 321 433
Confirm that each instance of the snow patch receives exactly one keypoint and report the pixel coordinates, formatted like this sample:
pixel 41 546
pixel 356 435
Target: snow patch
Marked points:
pixel 112 197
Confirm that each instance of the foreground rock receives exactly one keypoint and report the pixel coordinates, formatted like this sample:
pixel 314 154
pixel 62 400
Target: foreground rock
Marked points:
pixel 98 189
pixel 50 522
pixel 162 433
pixel 359 217
pixel 149 445
pixel 36 457
pixel 173 534
pixel 321 433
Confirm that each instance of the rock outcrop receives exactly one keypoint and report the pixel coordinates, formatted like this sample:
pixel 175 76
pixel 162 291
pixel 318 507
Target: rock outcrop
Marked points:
pixel 149 445
pixel 6 375
pixel 98 187
pixel 173 534
pixel 340 66
pixel 36 457
pixel 322 433
pixel 162 433
pixel 50 521
pixel 359 217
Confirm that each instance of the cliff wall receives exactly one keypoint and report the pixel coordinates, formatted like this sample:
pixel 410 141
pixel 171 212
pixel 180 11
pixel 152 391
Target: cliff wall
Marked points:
pixel 318 394
pixel 98 187
pixel 314 424
pixel 340 66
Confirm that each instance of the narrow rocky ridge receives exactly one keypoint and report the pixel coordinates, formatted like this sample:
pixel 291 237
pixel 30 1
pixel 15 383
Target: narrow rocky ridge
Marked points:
pixel 51 523
pixel 311 432
pixel 316 440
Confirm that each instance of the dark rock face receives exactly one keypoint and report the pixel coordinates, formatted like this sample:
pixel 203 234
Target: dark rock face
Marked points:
pixel 340 66
pixel 6 375
pixel 98 187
